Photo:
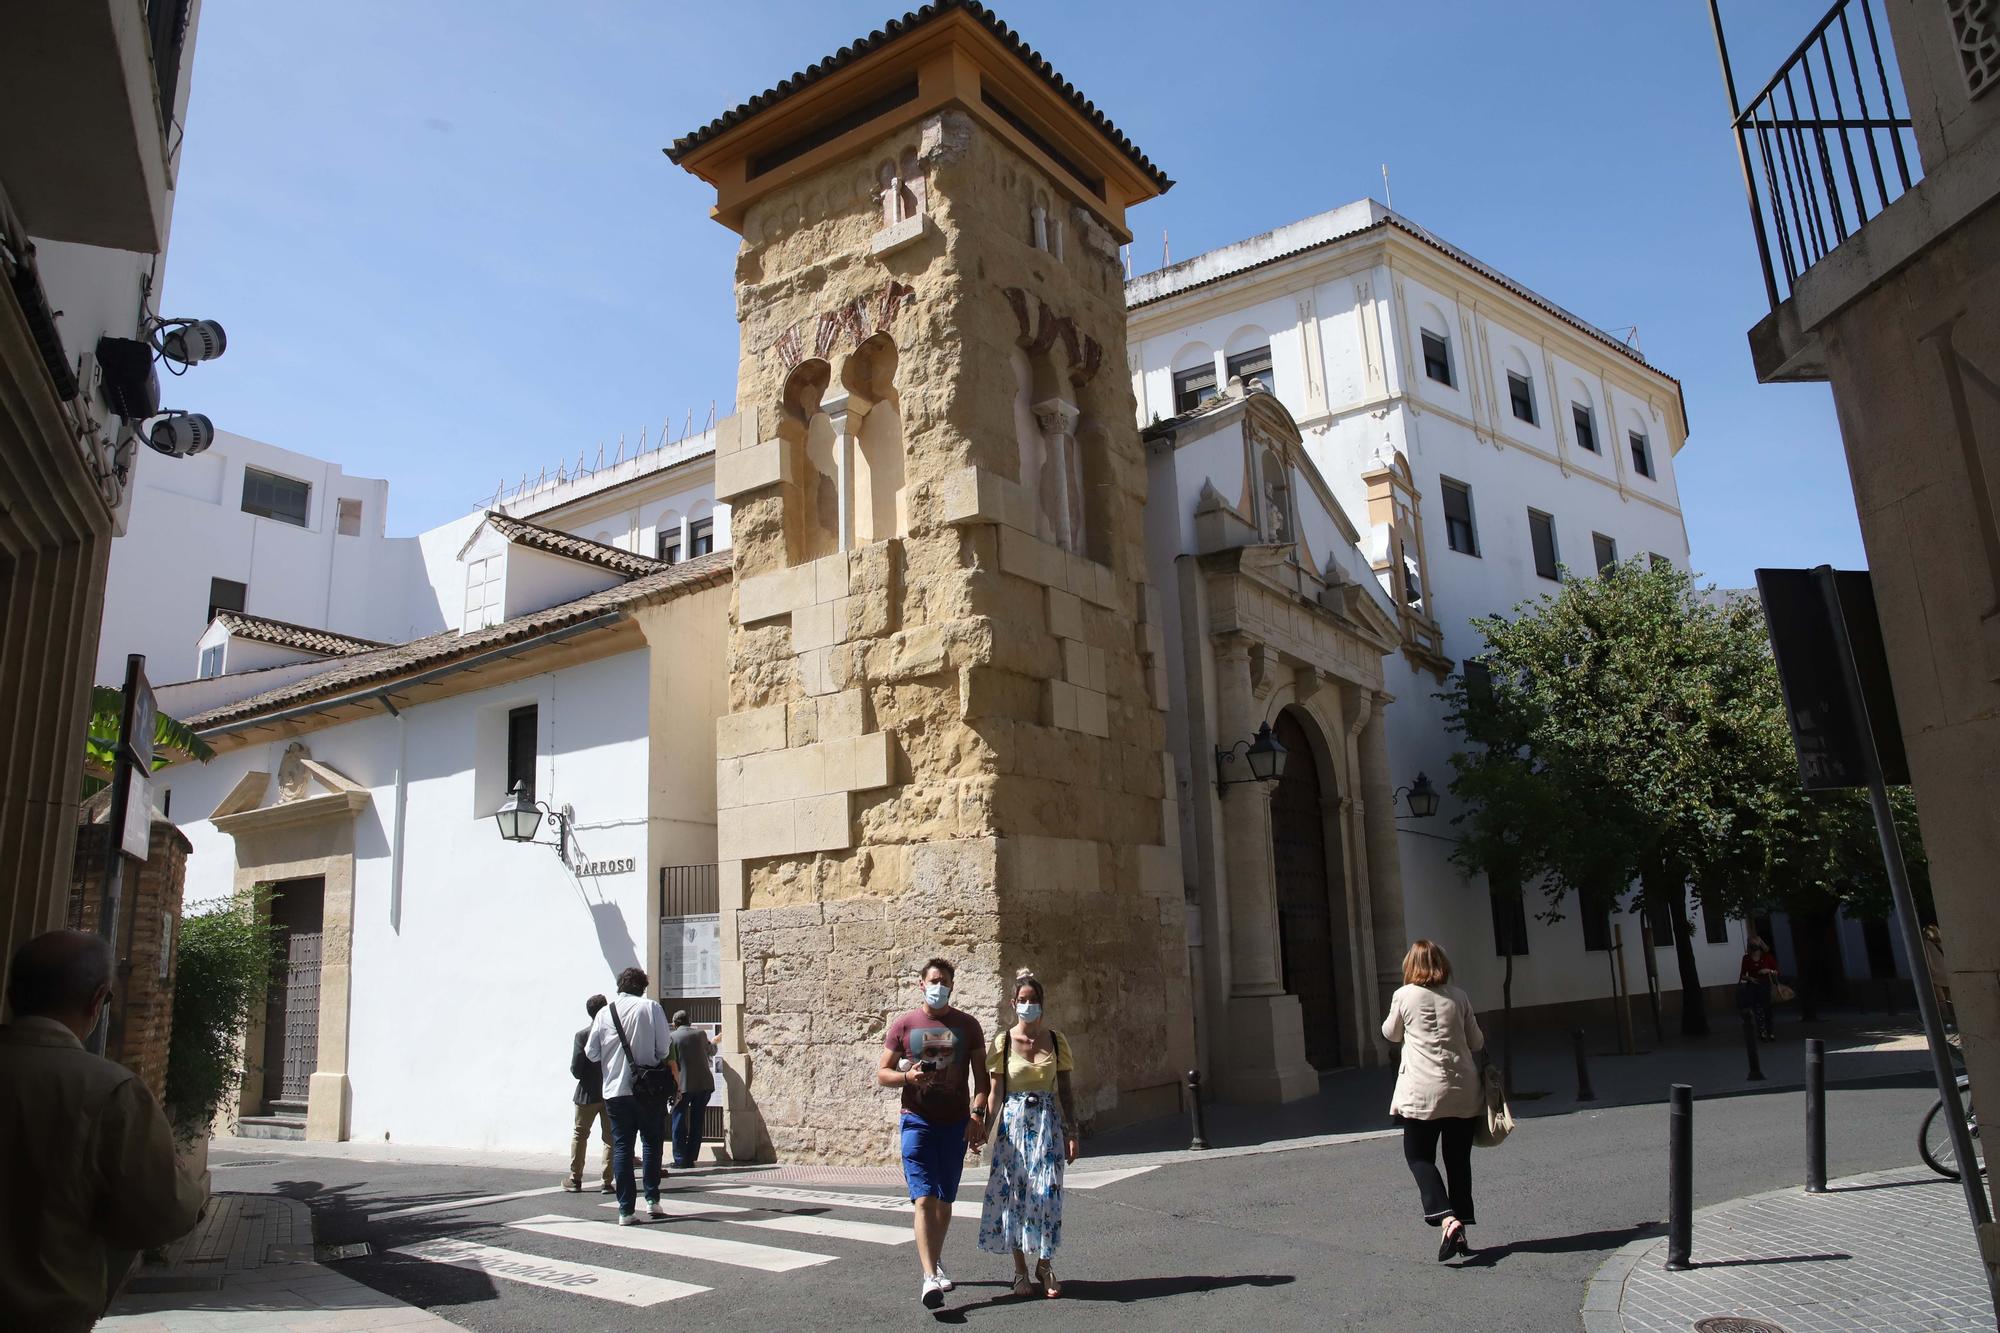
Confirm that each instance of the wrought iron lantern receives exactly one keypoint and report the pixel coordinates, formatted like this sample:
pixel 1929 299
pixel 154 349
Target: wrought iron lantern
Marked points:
pixel 1262 755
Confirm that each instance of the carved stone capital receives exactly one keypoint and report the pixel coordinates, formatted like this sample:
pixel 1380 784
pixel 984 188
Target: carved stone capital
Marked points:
pixel 1056 416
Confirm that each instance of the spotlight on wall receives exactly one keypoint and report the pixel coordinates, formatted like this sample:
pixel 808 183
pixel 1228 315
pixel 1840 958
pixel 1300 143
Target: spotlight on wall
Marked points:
pixel 1423 798
pixel 189 341
pixel 180 434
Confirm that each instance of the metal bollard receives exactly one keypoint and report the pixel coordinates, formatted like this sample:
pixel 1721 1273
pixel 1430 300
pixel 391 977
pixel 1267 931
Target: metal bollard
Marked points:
pixel 1815 1116
pixel 1584 1092
pixel 1680 1177
pixel 1200 1140
pixel 1750 1051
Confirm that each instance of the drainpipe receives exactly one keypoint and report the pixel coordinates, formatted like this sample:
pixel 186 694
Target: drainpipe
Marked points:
pixel 401 805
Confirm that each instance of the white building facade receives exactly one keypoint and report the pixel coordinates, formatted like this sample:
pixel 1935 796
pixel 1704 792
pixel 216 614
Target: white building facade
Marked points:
pixel 1486 443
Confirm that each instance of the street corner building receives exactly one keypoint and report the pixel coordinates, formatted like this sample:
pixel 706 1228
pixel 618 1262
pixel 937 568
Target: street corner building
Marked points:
pixel 1024 614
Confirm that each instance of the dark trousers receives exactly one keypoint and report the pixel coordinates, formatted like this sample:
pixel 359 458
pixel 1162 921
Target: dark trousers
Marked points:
pixel 1420 1145
pixel 689 1113
pixel 632 1119
pixel 1756 997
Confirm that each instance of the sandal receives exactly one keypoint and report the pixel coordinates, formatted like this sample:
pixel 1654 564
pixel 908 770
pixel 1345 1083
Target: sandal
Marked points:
pixel 1023 1287
pixel 1045 1274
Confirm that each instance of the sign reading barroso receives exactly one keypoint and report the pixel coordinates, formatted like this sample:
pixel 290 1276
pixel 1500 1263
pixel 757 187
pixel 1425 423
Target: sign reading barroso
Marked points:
pixel 691 955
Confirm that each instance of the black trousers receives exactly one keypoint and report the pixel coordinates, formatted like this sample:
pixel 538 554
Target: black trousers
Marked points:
pixel 1420 1145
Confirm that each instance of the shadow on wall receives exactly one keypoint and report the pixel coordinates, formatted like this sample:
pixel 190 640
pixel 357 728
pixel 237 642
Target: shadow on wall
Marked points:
pixel 613 939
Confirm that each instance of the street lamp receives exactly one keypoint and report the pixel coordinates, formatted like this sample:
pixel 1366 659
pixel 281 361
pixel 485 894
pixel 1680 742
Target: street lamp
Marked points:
pixel 1422 796
pixel 520 816
pixel 1264 756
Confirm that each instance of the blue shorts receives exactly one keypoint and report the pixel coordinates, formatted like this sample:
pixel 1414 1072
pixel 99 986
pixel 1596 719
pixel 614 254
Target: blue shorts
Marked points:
pixel 933 1157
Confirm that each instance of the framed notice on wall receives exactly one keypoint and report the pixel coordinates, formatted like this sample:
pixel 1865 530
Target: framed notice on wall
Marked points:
pixel 690 955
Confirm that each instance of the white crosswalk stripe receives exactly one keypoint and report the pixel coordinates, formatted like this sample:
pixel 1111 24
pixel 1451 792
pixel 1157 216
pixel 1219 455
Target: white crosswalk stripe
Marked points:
pixel 840 1228
pixel 607 1284
pixel 669 1240
pixel 884 1203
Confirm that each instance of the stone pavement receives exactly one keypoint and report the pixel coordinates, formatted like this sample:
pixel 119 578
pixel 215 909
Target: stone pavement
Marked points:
pixel 1881 1253
pixel 248 1265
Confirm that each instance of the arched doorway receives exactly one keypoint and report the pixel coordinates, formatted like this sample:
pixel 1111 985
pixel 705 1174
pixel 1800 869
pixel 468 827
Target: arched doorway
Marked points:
pixel 1303 869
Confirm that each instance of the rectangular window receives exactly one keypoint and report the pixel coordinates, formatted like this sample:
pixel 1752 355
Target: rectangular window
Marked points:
pixel 224 595
pixel 1542 533
pixel 1522 392
pixel 1586 426
pixel 1654 560
pixel 668 546
pixel 1459 533
pixel 350 517
pixel 1660 915
pixel 1253 365
pixel 1437 357
pixel 521 736
pixel 1596 914
pixel 701 537
pixel 484 592
pixel 1478 680
pixel 1605 550
pixel 268 495
pixel 1194 387
pixel 211 662
pixel 1642 455
pixel 1715 926
pixel 1510 924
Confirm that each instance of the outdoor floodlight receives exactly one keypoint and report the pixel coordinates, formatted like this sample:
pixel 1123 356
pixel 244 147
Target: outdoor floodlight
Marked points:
pixel 1264 756
pixel 190 341
pixel 180 434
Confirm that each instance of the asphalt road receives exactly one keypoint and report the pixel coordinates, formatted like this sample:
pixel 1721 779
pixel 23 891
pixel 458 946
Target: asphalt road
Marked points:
pixel 1325 1238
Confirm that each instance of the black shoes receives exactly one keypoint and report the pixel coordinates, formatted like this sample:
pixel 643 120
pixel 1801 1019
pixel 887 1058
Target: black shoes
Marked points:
pixel 1453 1242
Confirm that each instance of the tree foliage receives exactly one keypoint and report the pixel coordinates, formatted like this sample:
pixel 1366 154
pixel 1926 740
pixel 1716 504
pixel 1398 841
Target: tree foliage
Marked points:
pixel 100 742
pixel 223 969
pixel 1631 729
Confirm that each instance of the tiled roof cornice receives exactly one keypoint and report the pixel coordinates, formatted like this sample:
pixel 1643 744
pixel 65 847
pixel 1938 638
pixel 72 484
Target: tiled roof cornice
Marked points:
pixel 305 638
pixel 535 536
pixel 899 28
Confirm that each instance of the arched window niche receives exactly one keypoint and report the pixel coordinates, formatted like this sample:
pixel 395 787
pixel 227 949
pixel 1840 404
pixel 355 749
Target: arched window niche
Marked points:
pixel 812 500
pixel 869 376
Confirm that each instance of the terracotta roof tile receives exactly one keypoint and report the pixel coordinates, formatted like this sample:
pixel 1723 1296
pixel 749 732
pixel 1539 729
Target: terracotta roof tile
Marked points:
pixel 263 629
pixel 898 28
pixel 382 665
pixel 534 535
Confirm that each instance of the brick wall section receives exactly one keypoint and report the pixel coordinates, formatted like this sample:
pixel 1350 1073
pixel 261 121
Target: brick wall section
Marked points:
pixel 142 1006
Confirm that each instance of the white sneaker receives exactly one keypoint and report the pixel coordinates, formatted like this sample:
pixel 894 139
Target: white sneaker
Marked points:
pixel 932 1295
pixel 653 1208
pixel 628 1219
pixel 944 1282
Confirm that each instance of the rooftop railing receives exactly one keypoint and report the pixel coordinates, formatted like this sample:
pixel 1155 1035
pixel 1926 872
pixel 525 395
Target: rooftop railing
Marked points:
pixel 1826 144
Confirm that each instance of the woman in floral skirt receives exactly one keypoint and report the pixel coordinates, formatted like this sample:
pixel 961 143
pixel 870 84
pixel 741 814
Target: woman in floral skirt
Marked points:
pixel 1034 1138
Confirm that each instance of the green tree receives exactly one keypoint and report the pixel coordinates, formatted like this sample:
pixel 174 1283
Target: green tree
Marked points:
pixel 223 967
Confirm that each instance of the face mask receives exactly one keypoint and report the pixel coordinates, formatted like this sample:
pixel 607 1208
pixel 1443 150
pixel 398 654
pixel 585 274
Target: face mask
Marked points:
pixel 937 994
pixel 1029 1012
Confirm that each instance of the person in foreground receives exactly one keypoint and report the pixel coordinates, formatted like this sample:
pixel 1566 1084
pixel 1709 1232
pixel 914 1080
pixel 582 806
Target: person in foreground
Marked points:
pixel 691 1052
pixel 1438 1095
pixel 1032 1142
pixel 88 1173
pixel 629 1038
pixel 927 1053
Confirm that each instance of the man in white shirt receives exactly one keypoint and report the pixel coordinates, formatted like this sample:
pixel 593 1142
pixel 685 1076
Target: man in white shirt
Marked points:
pixel 644 1043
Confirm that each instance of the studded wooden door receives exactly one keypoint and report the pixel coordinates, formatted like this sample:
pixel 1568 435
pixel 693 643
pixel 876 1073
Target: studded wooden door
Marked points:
pixel 301 1014
pixel 291 1012
pixel 1305 915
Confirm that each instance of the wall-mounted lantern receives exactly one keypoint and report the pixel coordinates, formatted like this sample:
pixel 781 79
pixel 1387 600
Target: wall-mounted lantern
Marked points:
pixel 520 816
pixel 1422 798
pixel 1262 755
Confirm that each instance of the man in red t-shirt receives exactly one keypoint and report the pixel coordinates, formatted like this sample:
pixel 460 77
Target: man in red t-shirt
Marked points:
pixel 927 1053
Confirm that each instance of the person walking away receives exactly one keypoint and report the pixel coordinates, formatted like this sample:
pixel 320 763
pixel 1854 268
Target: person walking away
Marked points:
pixel 690 1053
pixel 1034 1138
pixel 1438 1097
pixel 928 1053
pixel 1754 981
pixel 88 1173
pixel 589 1099
pixel 629 1037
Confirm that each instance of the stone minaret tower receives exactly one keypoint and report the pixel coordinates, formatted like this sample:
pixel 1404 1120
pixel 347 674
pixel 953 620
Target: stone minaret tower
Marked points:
pixel 945 671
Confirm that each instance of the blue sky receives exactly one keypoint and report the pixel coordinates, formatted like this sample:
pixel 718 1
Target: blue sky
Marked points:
pixel 448 248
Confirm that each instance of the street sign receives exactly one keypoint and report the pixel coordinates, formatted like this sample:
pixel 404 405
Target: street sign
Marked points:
pixel 135 837
pixel 1829 732
pixel 141 713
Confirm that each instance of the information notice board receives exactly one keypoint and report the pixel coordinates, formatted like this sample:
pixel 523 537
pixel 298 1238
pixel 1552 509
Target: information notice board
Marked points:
pixel 691 955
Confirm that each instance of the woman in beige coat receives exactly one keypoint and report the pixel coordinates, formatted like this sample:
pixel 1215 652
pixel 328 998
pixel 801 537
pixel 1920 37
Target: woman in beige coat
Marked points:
pixel 1438 1093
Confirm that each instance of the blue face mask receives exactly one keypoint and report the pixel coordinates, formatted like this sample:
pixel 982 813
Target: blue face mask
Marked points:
pixel 1029 1012
pixel 937 994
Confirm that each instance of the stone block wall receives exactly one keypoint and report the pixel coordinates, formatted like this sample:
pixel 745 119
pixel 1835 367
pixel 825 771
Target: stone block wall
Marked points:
pixel 142 1005
pixel 947 740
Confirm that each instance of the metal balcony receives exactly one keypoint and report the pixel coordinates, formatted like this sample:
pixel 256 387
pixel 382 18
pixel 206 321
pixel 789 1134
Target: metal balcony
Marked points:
pixel 1825 144
pixel 87 90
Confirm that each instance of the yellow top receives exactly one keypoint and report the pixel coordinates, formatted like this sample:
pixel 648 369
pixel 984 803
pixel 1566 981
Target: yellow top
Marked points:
pixel 1036 1075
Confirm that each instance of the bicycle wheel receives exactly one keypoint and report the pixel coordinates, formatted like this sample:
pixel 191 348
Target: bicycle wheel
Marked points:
pixel 1934 1142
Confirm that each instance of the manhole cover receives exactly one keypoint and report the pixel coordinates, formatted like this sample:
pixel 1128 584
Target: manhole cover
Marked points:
pixel 1731 1323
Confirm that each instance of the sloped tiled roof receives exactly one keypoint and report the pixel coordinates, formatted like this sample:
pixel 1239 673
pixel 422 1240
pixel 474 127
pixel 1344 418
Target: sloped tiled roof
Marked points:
pixel 898 28
pixel 382 665
pixel 263 629
pixel 535 536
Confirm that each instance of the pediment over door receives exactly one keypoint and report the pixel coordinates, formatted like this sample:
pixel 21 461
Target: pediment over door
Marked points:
pixel 306 792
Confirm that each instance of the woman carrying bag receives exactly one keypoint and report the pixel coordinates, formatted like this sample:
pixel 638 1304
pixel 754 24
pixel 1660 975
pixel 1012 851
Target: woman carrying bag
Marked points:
pixel 1440 1096
pixel 1034 1138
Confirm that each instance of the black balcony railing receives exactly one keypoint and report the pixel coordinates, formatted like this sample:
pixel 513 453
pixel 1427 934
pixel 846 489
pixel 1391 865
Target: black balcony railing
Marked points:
pixel 1826 144
pixel 166 23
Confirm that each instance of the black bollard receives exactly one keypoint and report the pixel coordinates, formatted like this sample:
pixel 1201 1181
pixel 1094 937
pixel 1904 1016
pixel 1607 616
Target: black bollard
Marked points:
pixel 1680 1177
pixel 1200 1140
pixel 1584 1092
pixel 1815 1116
pixel 1750 1051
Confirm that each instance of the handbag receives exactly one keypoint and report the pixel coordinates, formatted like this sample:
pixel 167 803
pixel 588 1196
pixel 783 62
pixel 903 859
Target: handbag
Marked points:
pixel 650 1083
pixel 1496 1122
pixel 1780 992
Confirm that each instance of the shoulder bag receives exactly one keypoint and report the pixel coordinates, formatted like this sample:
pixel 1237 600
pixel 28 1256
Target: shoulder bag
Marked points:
pixel 1496 1122
pixel 650 1083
